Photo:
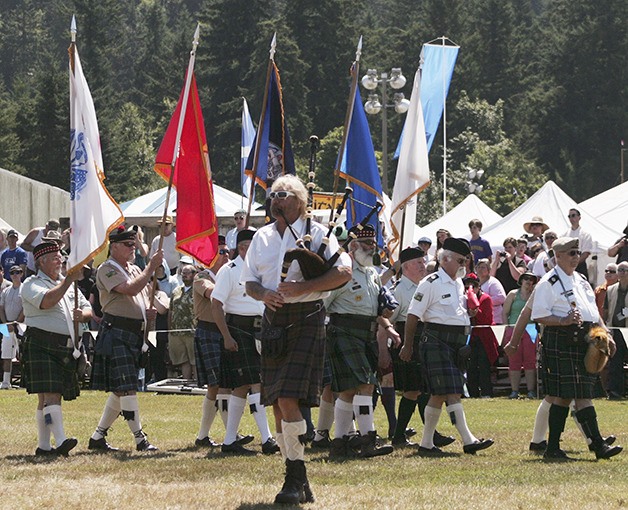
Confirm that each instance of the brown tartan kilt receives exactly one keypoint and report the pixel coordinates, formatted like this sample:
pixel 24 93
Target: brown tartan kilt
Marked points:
pixel 564 374
pixel 299 372
pixel 241 367
pixel 48 367
pixel 438 352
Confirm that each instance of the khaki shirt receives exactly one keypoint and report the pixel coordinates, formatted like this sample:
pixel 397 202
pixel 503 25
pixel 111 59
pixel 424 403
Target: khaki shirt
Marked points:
pixel 202 305
pixel 357 297
pixel 114 303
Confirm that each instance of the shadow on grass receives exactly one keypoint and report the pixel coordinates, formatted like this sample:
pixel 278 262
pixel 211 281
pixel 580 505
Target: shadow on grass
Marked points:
pixel 264 506
pixel 122 455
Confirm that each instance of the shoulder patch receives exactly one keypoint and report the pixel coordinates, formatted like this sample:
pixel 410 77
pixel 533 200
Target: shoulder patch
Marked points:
pixel 110 273
pixel 418 296
pixel 432 278
pixel 553 279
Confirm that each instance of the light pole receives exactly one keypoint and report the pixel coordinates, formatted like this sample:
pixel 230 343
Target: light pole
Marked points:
pixel 370 81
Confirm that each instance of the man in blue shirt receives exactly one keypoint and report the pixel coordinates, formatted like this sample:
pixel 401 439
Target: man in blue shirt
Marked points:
pixel 480 248
pixel 12 256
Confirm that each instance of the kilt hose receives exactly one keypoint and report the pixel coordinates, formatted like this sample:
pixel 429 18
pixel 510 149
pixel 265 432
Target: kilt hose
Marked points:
pixel 299 371
pixel 438 353
pixel 116 359
pixel 407 374
pixel 241 367
pixel 207 351
pixel 353 354
pixel 563 369
pixel 48 365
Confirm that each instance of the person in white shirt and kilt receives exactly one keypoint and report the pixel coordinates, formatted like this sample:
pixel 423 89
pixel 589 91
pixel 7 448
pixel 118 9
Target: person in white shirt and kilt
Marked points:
pixel 440 303
pixel 292 363
pixel 124 294
pixel 49 367
pixel 565 303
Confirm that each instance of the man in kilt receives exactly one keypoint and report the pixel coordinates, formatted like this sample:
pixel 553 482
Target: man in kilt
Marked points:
pixel 440 303
pixel 293 333
pixel 239 317
pixel 565 303
pixel 353 350
pixel 407 374
pixel 49 367
pixel 124 295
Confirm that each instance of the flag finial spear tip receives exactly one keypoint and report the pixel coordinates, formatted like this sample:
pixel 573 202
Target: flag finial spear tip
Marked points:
pixel 359 50
pixel 73 28
pixel 273 46
pixel 197 32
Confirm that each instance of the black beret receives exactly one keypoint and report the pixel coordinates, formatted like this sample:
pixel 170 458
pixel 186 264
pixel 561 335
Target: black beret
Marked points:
pixel 244 235
pixel 457 245
pixel 121 234
pixel 366 231
pixel 46 247
pixel 410 254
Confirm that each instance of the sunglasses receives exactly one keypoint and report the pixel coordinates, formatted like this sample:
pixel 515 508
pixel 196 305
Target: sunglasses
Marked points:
pixel 15 272
pixel 573 253
pixel 239 217
pixel 609 271
pixel 461 261
pixel 128 244
pixel 572 216
pixel 222 251
pixel 281 195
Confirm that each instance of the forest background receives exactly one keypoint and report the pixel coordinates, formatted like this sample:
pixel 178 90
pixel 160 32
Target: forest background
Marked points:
pixel 539 90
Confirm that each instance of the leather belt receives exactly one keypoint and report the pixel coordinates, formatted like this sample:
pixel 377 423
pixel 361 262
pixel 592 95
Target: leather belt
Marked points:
pixel 59 340
pixel 444 328
pixel 208 326
pixel 571 332
pixel 363 322
pixel 244 321
pixel 133 325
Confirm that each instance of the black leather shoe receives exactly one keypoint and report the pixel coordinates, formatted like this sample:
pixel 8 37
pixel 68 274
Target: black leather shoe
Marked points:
pixel 410 432
pixel 440 440
pixel 65 447
pixel 324 442
pixel 40 452
pixel 606 452
pixel 402 442
pixel 242 440
pixel 558 455
pixel 476 447
pixel 270 446
pixel 100 445
pixel 145 446
pixel 430 452
pixel 538 447
pixel 236 448
pixel 608 440
pixel 206 442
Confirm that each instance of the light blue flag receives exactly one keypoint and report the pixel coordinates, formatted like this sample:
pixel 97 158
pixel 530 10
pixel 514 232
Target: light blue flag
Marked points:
pixel 248 135
pixel 359 167
pixel 438 68
pixel 531 330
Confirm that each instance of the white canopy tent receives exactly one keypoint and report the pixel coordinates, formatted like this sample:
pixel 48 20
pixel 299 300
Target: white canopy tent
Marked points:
pixel 609 207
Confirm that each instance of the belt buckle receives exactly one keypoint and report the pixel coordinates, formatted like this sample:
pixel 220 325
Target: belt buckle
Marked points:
pixel 257 323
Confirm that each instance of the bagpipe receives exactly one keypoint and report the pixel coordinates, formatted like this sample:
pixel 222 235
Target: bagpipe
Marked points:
pixel 313 264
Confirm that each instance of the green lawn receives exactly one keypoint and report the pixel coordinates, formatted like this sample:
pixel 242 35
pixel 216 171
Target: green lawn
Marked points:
pixel 505 476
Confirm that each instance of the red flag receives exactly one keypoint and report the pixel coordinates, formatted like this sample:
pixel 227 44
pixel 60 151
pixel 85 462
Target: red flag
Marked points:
pixel 197 228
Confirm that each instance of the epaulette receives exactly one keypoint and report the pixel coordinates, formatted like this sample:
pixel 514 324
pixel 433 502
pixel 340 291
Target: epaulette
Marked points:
pixel 553 279
pixel 432 278
pixel 581 276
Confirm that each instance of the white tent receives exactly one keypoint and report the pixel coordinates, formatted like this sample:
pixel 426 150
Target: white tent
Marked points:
pixel 553 204
pixel 609 207
pixel 457 220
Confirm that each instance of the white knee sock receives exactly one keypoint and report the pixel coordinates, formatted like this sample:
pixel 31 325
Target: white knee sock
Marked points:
pixel 54 421
pixel 295 449
pixel 343 416
pixel 363 410
pixel 222 404
pixel 282 445
pixel 6 379
pixel 130 408
pixel 43 432
pixel 432 415
pixel 258 410
pixel 236 409
pixel 209 413
pixel 541 422
pixel 109 415
pixel 456 413
pixel 325 418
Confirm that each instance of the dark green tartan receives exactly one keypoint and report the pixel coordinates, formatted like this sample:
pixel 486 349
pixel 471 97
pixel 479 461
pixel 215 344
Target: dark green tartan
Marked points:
pixel 564 374
pixel 297 374
pixel 243 366
pixel 207 351
pixel 116 370
pixel 48 368
pixel 438 352
pixel 407 374
pixel 353 355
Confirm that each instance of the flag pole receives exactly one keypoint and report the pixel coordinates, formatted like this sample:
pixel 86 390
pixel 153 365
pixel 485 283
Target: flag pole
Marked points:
pixel 175 155
pixel 260 127
pixel 348 116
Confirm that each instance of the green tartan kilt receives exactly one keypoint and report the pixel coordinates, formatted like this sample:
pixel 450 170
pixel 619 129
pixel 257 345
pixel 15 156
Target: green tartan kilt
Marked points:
pixel 48 367
pixel 353 354
pixel 438 353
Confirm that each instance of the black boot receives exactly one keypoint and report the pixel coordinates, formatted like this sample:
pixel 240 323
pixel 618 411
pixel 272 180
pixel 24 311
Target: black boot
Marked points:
pixel 369 447
pixel 587 418
pixel 308 495
pixel 292 491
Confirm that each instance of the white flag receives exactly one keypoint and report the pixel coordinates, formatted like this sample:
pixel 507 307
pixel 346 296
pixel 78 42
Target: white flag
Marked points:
pixel 413 173
pixel 94 213
pixel 248 137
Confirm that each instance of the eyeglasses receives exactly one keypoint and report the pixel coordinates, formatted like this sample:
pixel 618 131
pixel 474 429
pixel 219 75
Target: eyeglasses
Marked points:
pixel 281 195
pixel 128 244
pixel 15 272
pixel 239 217
pixel 622 270
pixel 610 271
pixel 573 253
pixel 572 215
pixel 222 251
pixel 461 261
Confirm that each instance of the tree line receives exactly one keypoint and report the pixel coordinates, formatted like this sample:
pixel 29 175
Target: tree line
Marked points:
pixel 539 90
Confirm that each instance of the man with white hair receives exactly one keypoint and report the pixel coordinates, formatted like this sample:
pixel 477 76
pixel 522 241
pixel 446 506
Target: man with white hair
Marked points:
pixel 440 302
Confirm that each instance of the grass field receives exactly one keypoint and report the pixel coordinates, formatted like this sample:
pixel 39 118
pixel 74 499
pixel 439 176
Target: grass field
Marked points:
pixel 504 477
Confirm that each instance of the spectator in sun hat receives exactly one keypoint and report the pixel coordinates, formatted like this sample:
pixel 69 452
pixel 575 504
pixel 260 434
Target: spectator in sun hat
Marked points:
pixel 171 255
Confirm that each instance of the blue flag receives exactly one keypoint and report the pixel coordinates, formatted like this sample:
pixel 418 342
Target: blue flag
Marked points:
pixel 247 140
pixel 359 167
pixel 438 68
pixel 272 140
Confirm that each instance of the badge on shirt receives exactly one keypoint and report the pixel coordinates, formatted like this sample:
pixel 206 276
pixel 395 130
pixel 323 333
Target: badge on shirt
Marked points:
pixel 358 297
pixel 110 273
pixel 418 296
